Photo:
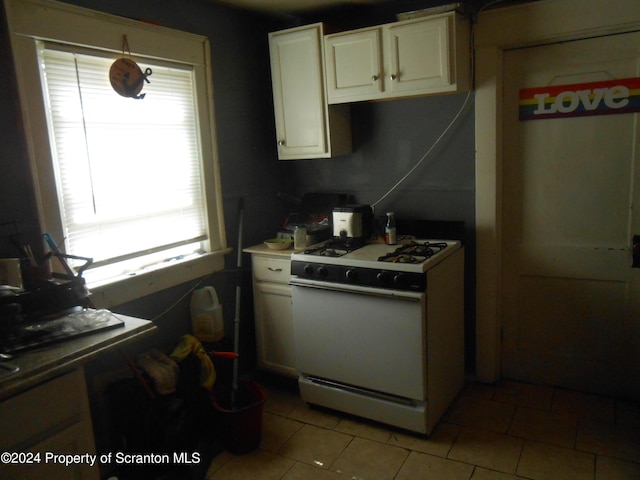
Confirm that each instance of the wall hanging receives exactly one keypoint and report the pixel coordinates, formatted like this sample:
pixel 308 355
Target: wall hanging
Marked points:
pixel 578 100
pixel 126 77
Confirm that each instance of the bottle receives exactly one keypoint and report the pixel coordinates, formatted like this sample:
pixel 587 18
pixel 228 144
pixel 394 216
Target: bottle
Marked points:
pixel 207 322
pixel 299 237
pixel 390 229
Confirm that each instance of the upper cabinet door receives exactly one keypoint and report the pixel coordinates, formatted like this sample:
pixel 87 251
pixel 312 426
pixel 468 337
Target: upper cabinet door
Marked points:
pixel 298 92
pixel 424 56
pixel 306 125
pixel 419 55
pixel 354 64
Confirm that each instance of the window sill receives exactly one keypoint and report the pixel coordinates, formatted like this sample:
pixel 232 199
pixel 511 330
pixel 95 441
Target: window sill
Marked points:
pixel 108 295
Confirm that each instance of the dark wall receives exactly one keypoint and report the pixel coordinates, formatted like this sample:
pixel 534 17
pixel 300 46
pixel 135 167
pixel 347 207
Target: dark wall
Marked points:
pixel 248 164
pixel 389 138
pixel 244 124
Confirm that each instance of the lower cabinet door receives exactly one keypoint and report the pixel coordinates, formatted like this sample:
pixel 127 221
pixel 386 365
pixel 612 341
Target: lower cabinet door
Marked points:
pixel 50 419
pixel 274 328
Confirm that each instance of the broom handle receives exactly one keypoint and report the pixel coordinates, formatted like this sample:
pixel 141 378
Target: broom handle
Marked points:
pixel 236 336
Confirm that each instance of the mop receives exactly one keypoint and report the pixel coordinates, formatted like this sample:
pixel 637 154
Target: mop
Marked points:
pixel 236 321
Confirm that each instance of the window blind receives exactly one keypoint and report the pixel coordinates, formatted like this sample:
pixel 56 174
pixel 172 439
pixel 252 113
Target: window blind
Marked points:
pixel 128 171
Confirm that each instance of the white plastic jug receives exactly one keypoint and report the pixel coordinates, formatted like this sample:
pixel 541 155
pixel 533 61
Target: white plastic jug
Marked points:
pixel 207 321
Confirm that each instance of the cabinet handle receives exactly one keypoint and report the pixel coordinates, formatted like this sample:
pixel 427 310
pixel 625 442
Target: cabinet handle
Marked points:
pixel 393 76
pixel 374 78
pixel 275 269
pixel 281 143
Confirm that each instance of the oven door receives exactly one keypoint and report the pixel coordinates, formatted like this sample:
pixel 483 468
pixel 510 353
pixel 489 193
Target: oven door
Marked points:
pixel 370 338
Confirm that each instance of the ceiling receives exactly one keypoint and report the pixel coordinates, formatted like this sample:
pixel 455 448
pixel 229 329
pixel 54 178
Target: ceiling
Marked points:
pixel 302 7
pixel 294 6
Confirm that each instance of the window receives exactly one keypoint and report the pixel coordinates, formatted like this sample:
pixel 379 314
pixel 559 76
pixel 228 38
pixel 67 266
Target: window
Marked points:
pixel 125 170
pixel 134 184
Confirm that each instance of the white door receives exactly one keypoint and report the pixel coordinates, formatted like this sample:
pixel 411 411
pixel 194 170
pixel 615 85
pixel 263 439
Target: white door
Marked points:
pixel 571 314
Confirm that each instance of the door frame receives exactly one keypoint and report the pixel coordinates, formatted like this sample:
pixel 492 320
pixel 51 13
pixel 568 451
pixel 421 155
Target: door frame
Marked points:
pixel 536 23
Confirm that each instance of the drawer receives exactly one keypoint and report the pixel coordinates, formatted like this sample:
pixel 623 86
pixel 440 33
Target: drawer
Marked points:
pixel 267 269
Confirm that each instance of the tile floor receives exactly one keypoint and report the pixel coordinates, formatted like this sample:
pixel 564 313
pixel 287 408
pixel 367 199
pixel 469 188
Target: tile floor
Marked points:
pixel 512 430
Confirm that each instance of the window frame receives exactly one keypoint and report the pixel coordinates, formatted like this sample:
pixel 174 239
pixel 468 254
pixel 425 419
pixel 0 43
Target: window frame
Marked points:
pixel 30 21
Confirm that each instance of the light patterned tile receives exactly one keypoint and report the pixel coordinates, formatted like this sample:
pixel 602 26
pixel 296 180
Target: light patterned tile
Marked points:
pixel 218 462
pixel 371 460
pixel 613 469
pixel 302 471
pixel 547 462
pixel 483 414
pixel 544 427
pixel 281 401
pixel 483 474
pixel 628 413
pixel 583 405
pixel 364 429
pixel 478 391
pixel 315 416
pixel 423 466
pixel 487 449
pixel 276 430
pixel 315 446
pixel 303 443
pixel 438 443
pixel 259 465
pixel 524 395
pixel 610 439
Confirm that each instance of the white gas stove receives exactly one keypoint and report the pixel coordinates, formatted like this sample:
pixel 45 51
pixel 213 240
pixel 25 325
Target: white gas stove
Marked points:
pixel 399 267
pixel 379 328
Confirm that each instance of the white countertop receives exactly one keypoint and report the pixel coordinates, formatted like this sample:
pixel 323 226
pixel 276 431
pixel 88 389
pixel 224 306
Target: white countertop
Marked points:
pixel 262 249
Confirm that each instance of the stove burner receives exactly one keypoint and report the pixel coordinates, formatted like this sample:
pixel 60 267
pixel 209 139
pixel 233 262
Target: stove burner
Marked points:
pixel 413 252
pixel 331 252
pixel 402 258
pixel 333 248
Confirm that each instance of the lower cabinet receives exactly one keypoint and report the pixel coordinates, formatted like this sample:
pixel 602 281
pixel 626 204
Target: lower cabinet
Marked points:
pixel 47 420
pixel 273 313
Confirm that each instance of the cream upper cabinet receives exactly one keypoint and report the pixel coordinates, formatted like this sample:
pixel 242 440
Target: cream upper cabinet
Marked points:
pixel 354 65
pixel 306 126
pixel 422 56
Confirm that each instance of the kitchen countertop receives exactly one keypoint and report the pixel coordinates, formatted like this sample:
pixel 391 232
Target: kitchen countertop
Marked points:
pixel 42 364
pixel 262 249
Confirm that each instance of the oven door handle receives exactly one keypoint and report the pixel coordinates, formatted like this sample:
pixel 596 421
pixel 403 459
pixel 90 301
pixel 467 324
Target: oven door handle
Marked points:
pixel 358 290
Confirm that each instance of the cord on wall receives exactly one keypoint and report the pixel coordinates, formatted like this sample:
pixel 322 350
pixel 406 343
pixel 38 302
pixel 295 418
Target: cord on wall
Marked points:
pixel 435 144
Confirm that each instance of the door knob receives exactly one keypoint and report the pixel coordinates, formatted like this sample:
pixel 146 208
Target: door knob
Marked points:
pixel 635 251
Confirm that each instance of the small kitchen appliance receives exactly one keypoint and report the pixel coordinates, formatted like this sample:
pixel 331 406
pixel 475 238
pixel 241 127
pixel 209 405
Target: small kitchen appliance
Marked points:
pixel 314 213
pixel 379 329
pixel 353 223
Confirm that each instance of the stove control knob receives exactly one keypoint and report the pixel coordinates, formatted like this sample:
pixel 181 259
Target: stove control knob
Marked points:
pixel 351 275
pixel 383 278
pixel 322 271
pixel 399 279
pixel 308 270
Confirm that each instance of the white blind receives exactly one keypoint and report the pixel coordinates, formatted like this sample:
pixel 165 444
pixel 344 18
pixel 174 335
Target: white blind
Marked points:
pixel 128 171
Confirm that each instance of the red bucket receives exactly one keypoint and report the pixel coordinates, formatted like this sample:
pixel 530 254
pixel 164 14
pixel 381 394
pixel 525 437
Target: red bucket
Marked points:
pixel 240 425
